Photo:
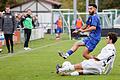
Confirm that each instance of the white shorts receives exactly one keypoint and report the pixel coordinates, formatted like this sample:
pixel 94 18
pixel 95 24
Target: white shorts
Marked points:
pixel 92 67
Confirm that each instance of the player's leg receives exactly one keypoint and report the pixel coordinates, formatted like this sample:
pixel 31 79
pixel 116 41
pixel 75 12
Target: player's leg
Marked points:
pixel 7 42
pixel 91 66
pixel 78 70
pixel 74 73
pixel 28 36
pixel 57 34
pixel 11 42
pixel 0 46
pixel 86 54
pixel 85 67
pixel 75 46
pixel 71 67
pixel 89 47
pixel 60 69
pixel 25 35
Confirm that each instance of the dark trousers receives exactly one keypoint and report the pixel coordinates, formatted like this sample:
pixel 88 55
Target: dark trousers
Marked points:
pixel 9 37
pixel 27 34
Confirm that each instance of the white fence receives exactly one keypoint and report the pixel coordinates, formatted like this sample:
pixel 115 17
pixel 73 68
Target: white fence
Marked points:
pixel 117 22
pixel 36 34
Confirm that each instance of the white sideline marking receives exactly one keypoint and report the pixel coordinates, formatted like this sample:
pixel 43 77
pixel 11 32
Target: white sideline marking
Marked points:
pixel 23 51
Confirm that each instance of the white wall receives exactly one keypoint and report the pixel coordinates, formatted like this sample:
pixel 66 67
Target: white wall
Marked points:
pixel 42 6
pixel 42 17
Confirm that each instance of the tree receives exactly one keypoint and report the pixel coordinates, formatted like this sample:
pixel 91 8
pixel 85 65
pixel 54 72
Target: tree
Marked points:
pixel 109 4
pixel 3 4
pixel 81 4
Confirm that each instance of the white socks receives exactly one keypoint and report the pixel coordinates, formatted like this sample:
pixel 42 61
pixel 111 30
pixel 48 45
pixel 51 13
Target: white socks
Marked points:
pixel 66 55
pixel 75 73
pixel 67 68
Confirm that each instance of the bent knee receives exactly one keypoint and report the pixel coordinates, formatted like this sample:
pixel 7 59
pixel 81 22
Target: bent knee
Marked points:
pixel 86 55
pixel 78 44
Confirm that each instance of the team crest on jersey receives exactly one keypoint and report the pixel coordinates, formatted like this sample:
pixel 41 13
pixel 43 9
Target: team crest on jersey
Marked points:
pixel 10 16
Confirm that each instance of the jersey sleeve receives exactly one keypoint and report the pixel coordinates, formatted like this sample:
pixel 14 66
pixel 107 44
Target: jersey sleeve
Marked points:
pixel 93 21
pixel 109 66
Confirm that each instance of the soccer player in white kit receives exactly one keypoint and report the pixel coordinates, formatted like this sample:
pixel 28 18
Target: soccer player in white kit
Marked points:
pixel 102 64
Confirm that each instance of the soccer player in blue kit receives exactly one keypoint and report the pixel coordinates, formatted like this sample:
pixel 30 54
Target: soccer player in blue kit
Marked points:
pixel 92 26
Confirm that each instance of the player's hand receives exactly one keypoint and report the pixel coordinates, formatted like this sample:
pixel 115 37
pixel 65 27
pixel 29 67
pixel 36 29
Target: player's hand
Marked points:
pixel 81 30
pixel 75 31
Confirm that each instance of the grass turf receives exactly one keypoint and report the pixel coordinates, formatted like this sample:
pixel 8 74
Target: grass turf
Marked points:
pixel 40 62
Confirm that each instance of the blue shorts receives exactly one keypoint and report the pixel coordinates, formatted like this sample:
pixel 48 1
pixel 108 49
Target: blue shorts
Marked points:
pixel 90 43
pixel 59 30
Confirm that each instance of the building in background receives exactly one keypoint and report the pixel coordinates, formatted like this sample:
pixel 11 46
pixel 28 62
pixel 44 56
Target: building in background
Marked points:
pixel 41 8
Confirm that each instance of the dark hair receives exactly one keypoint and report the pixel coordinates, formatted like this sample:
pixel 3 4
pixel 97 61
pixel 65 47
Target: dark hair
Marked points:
pixel 94 5
pixel 7 6
pixel 113 36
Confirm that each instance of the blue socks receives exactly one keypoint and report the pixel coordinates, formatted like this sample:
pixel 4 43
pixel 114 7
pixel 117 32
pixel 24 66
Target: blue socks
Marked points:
pixel 69 52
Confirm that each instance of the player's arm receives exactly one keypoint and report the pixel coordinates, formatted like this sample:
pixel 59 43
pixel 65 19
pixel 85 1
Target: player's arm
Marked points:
pixel 88 29
pixel 109 64
pixel 84 27
pixel 56 22
pixel 79 30
pixel 108 68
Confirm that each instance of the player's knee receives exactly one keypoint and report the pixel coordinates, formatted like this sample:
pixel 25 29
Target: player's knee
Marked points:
pixel 85 55
pixel 76 44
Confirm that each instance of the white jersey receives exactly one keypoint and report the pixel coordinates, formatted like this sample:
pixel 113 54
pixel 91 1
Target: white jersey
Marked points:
pixel 107 56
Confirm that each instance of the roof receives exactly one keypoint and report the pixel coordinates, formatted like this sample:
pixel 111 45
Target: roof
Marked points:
pixel 55 3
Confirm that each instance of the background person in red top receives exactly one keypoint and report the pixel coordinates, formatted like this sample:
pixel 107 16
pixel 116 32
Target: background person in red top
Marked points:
pixel 59 28
pixel 78 25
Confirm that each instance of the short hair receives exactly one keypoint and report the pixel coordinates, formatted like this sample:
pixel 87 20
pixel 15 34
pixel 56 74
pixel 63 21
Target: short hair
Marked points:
pixel 112 36
pixel 94 5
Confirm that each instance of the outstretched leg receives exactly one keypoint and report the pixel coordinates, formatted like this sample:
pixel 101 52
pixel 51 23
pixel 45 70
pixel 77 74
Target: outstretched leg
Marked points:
pixel 72 50
pixel 68 68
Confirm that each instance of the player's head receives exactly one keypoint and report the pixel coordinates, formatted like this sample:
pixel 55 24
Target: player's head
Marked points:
pixel 92 8
pixel 29 12
pixel 111 37
pixel 59 18
pixel 7 8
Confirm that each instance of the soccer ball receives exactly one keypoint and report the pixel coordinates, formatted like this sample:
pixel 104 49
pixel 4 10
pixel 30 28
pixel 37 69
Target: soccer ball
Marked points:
pixel 66 64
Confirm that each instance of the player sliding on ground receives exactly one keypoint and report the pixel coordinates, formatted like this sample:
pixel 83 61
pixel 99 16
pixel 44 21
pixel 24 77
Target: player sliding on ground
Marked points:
pixel 90 42
pixel 103 63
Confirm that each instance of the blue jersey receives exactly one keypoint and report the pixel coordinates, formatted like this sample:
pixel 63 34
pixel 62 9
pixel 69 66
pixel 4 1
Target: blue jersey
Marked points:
pixel 94 20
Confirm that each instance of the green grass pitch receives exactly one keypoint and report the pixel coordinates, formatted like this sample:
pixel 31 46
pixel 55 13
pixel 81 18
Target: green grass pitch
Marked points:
pixel 39 63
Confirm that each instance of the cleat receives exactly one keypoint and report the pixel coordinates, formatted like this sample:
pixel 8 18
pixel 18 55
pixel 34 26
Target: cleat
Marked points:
pixel 61 54
pixel 57 68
